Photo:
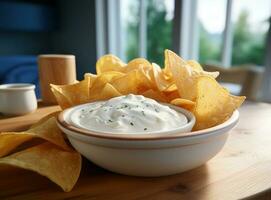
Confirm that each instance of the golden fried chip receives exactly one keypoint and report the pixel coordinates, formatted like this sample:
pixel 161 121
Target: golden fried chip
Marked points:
pixel 174 94
pixel 214 104
pixel 91 78
pixel 195 65
pixel 77 93
pixel 197 69
pixel 47 130
pixel 101 82
pixel 158 96
pixel 184 103
pixel 62 101
pixel 45 118
pixel 171 88
pixel 61 167
pixel 161 82
pixel 111 76
pixel 109 63
pixel 97 86
pixel 166 70
pixel 10 140
pixel 107 92
pixel 136 63
pixel 204 73
pixel 126 84
pixel 182 74
pixel 145 79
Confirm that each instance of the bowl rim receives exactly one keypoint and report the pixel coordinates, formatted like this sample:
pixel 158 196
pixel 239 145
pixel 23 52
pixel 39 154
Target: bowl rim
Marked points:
pixel 17 86
pixel 189 125
pixel 128 136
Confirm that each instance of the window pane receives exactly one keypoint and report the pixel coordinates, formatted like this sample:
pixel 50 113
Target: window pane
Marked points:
pixel 250 20
pixel 130 27
pixel 159 29
pixel 211 16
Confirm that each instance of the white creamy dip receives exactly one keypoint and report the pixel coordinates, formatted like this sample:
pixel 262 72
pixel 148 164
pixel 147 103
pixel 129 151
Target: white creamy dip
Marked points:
pixel 128 114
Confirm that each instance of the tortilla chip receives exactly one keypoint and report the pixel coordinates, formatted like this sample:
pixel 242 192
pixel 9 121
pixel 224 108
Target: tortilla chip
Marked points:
pixel 195 65
pixel 45 118
pixel 90 78
pixel 161 82
pixel 108 63
pixel 107 92
pixel 158 96
pixel 144 77
pixel 182 74
pixel 136 63
pixel 62 101
pixel 75 93
pixel 213 105
pixel 47 130
pixel 197 69
pixel 126 84
pixel 184 103
pixel 61 167
pixel 10 140
pixel 185 74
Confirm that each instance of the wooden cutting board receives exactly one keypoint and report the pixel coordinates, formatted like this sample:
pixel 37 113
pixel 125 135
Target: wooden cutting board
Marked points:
pixel 242 169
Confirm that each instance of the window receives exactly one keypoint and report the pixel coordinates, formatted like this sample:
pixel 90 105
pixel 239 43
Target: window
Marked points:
pixel 147 28
pixel 211 22
pixel 241 39
pixel 224 32
pixel 159 29
pixel 130 26
pixel 250 22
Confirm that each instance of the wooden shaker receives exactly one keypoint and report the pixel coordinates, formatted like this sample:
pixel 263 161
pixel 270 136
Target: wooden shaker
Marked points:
pixel 56 69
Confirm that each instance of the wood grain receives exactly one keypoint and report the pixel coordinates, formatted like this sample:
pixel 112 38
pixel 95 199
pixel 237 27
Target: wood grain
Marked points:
pixel 55 69
pixel 20 123
pixel 241 170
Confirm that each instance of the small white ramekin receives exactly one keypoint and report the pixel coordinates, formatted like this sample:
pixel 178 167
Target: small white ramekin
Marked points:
pixel 17 99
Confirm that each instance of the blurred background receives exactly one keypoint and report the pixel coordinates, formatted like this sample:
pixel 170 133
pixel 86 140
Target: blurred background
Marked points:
pixel 232 36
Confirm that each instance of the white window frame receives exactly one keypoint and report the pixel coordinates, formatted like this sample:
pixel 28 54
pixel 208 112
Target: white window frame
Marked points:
pixel 227 44
pixel 186 29
pixel 142 50
pixel 100 28
pixel 108 28
pixel 189 40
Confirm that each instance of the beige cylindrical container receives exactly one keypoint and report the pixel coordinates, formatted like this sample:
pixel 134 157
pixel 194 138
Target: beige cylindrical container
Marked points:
pixel 55 69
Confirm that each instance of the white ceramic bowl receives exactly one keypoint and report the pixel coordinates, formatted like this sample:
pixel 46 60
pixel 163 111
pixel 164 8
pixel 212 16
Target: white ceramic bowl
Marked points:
pixel 17 98
pixel 148 154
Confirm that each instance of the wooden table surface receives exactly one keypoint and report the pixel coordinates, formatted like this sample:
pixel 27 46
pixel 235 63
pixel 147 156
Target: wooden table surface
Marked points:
pixel 242 169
